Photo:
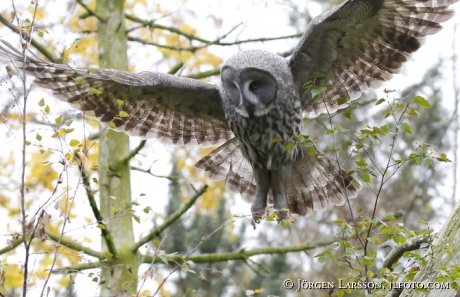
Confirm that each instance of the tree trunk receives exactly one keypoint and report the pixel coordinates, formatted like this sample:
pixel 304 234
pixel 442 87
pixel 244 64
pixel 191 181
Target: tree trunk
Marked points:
pixel 115 185
pixel 446 253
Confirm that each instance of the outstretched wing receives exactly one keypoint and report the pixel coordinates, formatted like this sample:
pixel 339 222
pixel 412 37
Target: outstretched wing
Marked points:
pixel 360 44
pixel 150 105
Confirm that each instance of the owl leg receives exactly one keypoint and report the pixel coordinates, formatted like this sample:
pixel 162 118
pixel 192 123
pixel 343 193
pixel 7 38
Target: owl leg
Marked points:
pixel 263 186
pixel 279 184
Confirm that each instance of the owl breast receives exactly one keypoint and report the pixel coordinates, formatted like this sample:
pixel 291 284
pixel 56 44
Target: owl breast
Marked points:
pixel 256 134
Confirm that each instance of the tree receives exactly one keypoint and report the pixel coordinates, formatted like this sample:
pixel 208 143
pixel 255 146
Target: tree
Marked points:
pixel 201 250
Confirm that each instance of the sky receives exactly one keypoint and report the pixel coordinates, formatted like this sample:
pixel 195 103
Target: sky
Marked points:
pixel 259 19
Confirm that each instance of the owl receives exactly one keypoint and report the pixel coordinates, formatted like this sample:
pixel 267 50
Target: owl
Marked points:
pixel 259 100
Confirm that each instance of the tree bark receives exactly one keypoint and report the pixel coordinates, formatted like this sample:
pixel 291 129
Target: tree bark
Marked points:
pixel 120 274
pixel 446 252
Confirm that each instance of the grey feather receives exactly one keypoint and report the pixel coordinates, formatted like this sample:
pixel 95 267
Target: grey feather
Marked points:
pixel 357 45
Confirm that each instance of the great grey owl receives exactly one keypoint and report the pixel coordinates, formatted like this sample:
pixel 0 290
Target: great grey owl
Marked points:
pixel 261 96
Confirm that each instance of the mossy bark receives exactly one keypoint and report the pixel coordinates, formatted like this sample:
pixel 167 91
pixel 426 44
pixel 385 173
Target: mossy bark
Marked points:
pixel 119 274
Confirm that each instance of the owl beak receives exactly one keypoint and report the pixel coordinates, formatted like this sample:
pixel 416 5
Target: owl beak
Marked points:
pixel 249 107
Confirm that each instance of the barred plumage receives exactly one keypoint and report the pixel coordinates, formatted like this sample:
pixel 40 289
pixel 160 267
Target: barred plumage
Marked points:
pixel 357 45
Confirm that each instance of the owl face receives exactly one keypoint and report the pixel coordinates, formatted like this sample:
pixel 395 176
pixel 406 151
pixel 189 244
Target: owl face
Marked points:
pixel 251 91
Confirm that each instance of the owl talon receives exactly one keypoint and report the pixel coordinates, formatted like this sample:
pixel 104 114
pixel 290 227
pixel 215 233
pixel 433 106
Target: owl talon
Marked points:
pixel 258 215
pixel 282 215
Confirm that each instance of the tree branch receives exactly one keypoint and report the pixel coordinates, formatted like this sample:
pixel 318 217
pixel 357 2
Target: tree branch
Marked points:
pixel 91 12
pixel 171 219
pixel 13 246
pixel 214 257
pixel 37 45
pixel 170 177
pixel 92 202
pixel 135 151
pixel 69 243
pixel 215 71
pixel 240 255
pixel 412 244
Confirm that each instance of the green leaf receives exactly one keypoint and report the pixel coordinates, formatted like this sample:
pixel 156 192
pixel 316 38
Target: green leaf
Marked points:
pixel 123 114
pixel 341 101
pixel 329 132
pixel 101 226
pixel 74 143
pixel 410 276
pixel 348 114
pixel 108 255
pixel 120 102
pixel 289 146
pixel 318 74
pixel 390 217
pixel 147 209
pixel 315 91
pixel 380 101
pixel 41 102
pixel 95 180
pixel 163 258
pixel 406 128
pixel 47 109
pixel 40 34
pixel 399 239
pixel 78 80
pixel 68 122
pixel 38 137
pixel 58 120
pixel 94 91
pixel 422 102
pixel 27 143
pixel 366 177
pixel 361 163
pixel 277 139
pixel 137 219
pixel 312 150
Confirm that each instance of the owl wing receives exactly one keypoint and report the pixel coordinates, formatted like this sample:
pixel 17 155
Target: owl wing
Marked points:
pixel 150 105
pixel 359 45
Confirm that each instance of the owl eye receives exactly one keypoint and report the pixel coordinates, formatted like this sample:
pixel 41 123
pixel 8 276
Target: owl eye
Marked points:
pixel 254 85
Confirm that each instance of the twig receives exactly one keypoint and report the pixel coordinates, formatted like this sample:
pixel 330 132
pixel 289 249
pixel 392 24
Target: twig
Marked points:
pixel 170 177
pixel 91 12
pixel 36 44
pixel 92 202
pixel 171 219
pixel 135 151
pixel 74 245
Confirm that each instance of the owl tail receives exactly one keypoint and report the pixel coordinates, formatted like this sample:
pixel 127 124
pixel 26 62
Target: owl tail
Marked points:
pixel 314 180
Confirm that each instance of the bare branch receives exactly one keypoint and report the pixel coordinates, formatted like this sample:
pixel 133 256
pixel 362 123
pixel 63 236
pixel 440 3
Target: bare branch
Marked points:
pixel 36 44
pixel 135 151
pixel 92 202
pixel 241 254
pixel 13 246
pixel 91 12
pixel 170 177
pixel 74 245
pixel 411 245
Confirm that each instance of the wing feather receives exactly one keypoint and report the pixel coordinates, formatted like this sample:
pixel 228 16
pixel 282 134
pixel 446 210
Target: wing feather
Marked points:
pixel 359 45
pixel 173 109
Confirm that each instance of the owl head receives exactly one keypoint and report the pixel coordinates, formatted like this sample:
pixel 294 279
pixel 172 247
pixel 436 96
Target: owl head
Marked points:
pixel 253 80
